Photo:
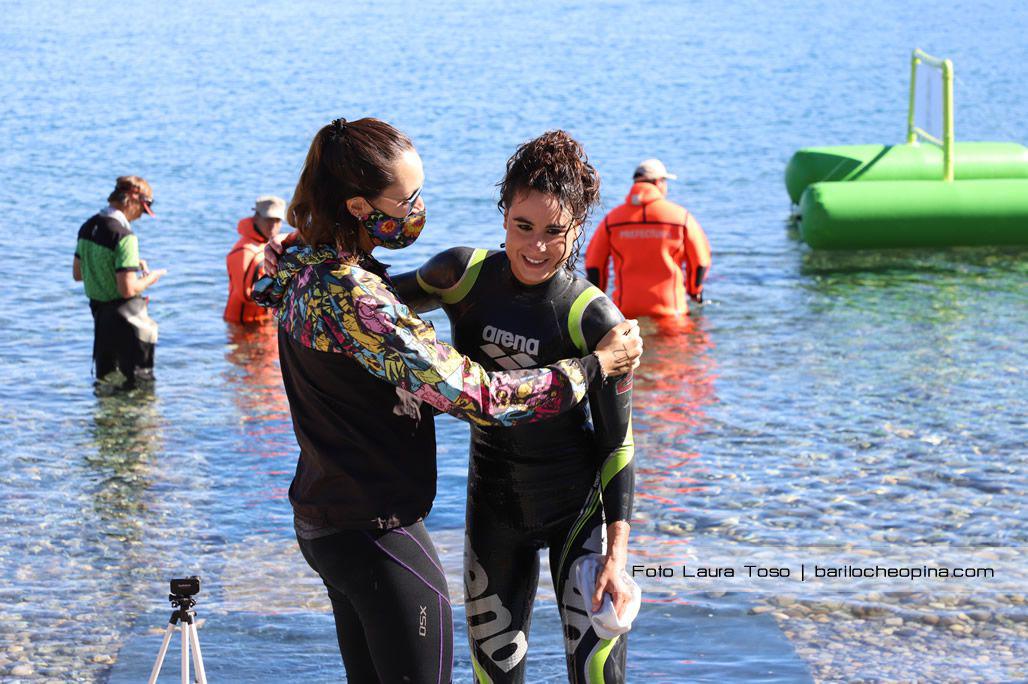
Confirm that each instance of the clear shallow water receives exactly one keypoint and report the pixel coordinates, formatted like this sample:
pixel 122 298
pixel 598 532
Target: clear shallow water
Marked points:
pixel 876 398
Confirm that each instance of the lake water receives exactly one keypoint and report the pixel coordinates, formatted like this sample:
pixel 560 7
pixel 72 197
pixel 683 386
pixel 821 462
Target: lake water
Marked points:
pixel 875 399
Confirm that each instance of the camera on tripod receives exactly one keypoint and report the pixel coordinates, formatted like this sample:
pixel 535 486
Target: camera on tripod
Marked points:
pixel 187 586
pixel 182 620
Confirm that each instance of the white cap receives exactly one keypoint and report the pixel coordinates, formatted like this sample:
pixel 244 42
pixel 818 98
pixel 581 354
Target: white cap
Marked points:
pixel 652 169
pixel 270 206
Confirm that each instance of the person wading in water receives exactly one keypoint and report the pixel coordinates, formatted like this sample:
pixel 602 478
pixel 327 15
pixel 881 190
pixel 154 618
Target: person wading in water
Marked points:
pixel 108 265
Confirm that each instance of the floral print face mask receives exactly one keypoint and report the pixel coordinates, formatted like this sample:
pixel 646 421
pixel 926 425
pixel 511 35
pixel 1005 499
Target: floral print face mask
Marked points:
pixel 392 232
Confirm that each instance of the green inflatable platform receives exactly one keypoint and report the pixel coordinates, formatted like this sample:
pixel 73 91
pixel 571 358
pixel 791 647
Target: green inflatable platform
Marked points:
pixel 918 194
pixel 972 160
pixel 915 214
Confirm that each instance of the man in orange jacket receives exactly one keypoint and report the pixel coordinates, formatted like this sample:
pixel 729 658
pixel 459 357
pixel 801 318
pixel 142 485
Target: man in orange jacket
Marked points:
pixel 246 260
pixel 651 240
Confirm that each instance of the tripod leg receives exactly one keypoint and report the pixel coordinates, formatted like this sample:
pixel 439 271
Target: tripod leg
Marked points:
pixel 201 674
pixel 185 652
pixel 160 656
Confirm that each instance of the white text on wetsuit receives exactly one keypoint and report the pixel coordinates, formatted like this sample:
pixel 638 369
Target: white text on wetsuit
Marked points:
pixel 510 340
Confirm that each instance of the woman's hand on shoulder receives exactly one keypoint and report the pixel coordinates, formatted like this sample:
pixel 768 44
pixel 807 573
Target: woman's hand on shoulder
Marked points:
pixel 273 250
pixel 620 349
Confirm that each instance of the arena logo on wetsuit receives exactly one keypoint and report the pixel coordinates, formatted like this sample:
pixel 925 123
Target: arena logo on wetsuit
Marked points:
pixel 489 635
pixel 527 348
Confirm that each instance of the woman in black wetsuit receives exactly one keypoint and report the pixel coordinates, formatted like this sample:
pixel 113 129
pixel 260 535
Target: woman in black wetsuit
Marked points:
pixel 364 376
pixel 564 484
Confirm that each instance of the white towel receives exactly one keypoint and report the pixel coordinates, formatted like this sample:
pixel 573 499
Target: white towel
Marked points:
pixel 605 621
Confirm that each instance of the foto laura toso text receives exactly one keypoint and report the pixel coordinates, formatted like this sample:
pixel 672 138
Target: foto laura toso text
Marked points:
pixel 813 571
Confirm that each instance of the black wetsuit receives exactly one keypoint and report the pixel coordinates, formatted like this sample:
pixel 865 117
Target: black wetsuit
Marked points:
pixel 552 484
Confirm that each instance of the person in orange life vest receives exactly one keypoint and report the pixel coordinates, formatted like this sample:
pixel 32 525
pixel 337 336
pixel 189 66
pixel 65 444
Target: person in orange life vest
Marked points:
pixel 246 260
pixel 650 240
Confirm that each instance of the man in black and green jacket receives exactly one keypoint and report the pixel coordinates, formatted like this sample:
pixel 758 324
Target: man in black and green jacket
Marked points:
pixel 108 264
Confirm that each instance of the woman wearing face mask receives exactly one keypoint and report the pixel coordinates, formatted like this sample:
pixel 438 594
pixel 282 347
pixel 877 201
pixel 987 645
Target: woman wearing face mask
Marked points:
pixel 364 375
pixel 561 484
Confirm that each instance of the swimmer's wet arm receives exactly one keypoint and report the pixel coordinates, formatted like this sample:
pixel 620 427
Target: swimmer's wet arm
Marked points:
pixel 412 294
pixel 438 281
pixel 394 344
pixel 611 407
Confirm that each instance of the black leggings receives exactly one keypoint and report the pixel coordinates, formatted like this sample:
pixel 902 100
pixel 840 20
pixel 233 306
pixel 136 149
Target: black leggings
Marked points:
pixel 389 599
pixel 501 573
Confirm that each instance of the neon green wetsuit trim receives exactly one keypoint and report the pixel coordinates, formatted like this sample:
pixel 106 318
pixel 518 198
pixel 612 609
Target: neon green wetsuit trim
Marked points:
pixel 575 317
pixel 621 457
pixel 591 505
pixel 481 676
pixel 598 658
pixel 458 291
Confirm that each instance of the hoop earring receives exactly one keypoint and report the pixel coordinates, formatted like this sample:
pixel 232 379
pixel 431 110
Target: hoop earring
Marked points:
pixel 503 245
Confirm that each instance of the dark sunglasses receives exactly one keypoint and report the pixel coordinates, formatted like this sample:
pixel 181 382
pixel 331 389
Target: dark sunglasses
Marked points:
pixel 412 200
pixel 146 203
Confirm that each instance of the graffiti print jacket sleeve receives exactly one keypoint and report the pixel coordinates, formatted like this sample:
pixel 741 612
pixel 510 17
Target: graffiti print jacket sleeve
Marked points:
pixel 331 305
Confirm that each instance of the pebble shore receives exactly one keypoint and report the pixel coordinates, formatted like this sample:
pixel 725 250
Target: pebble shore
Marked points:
pixel 907 637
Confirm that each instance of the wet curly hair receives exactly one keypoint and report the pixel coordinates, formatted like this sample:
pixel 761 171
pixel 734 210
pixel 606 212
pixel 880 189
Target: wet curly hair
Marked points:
pixel 554 164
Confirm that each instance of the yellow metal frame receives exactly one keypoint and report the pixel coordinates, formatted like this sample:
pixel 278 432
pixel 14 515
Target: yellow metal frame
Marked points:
pixel 915 132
